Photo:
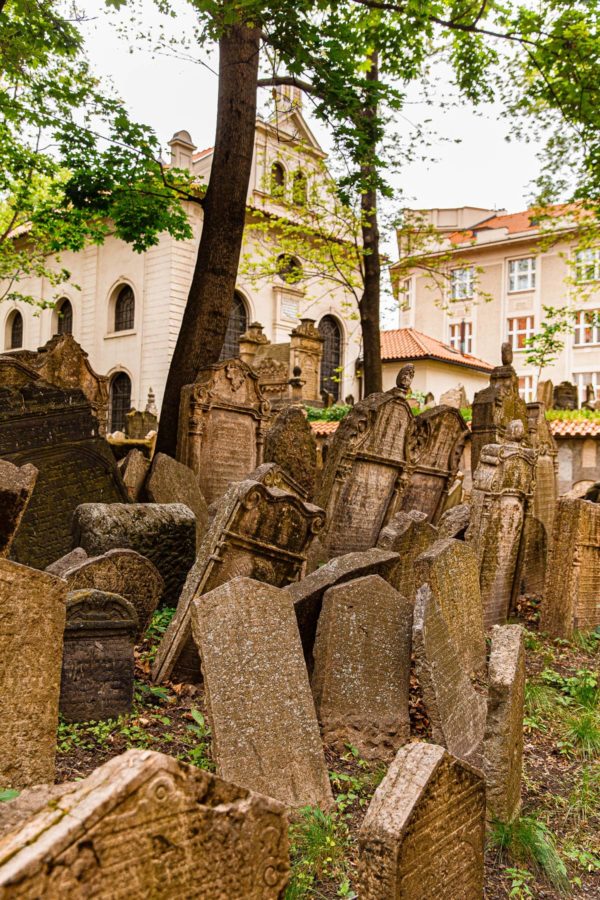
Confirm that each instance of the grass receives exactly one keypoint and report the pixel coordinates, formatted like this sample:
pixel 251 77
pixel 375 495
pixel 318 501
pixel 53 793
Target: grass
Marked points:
pixel 583 803
pixel 582 734
pixel 318 844
pixel 529 841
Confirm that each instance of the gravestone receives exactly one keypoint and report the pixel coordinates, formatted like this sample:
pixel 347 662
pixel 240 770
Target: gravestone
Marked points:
pixel 408 534
pixel 307 594
pixel 97 667
pixel 455 521
pixel 170 481
pixel 503 742
pixel 261 712
pixel 362 667
pixel 165 533
pixel 495 407
pixel 500 505
pixel 455 397
pixel 139 423
pixel 424 832
pixel 565 396
pixel 538 528
pixel 572 591
pixel 32 621
pixel 274 476
pixel 68 561
pixel 367 469
pixel 16 488
pixel 545 393
pixel 144 825
pixel 53 429
pixel 134 469
pixel 290 442
pixel 259 532
pixel 222 412
pixel 450 569
pixel 456 711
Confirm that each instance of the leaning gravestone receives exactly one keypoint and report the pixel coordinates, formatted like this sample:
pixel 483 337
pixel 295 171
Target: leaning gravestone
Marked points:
pixel 565 396
pixel 170 481
pixel 260 532
pixel 503 742
pixel 455 521
pixel 424 832
pixel 16 488
pixel 456 711
pixel 223 411
pixel 408 534
pixel 165 533
pixel 290 442
pixel 362 667
pixel 449 567
pixel 32 621
pixel 134 469
pixel 144 825
pixel 455 397
pixel 261 712
pixel 97 667
pixel 68 561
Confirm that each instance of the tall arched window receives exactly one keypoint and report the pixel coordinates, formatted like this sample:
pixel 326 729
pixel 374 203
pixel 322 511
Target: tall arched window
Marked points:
pixel 299 189
pixel 14 336
pixel 331 333
pixel 120 400
pixel 124 309
pixel 277 179
pixel 238 322
pixel 64 315
pixel 289 268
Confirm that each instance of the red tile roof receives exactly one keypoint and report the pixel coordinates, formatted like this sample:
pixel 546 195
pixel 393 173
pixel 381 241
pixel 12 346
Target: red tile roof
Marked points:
pixel 514 223
pixel 575 427
pixel 201 153
pixel 408 344
pixel 324 428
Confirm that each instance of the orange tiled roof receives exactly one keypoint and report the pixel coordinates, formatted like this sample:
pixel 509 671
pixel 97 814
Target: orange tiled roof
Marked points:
pixel 514 223
pixel 575 427
pixel 324 427
pixel 406 344
pixel 201 153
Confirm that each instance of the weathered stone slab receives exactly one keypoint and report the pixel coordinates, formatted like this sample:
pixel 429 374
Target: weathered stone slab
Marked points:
pixel 134 469
pixel 68 561
pixel 409 534
pixel 503 742
pixel 260 532
pixel 456 711
pixel 290 442
pixel 97 667
pixel 32 621
pixel 565 396
pixel 273 475
pixel 455 521
pixel 170 481
pixel 538 527
pixel 423 834
pixel 16 488
pixel 450 568
pixel 362 667
pixel 572 591
pixel 265 731
pixel 145 825
pixel 308 593
pixel 165 533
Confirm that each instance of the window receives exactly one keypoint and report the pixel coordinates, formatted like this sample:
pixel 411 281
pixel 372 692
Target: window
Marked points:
pixel 521 274
pixel 519 330
pixel 526 388
pixel 289 268
pixel 406 294
pixel 124 309
pixel 461 283
pixel 461 337
pixel 64 316
pixel 299 189
pixel 237 325
pixel 332 356
pixel 15 331
pixel 582 379
pixel 587 265
pixel 587 327
pixel 120 400
pixel 277 179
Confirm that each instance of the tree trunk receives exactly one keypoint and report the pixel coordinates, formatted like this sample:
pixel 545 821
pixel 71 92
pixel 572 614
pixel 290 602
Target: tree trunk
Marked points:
pixel 210 296
pixel 370 300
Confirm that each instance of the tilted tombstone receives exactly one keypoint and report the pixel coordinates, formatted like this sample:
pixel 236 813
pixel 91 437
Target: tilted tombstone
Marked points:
pixel 32 622
pixel 260 532
pixel 572 591
pixel 545 393
pixel 538 528
pixel 455 521
pixel 222 420
pixel 16 488
pixel 503 742
pixel 144 825
pixel 455 397
pixel 362 667
pixel 170 481
pixel 424 832
pixel 68 561
pixel 97 667
pixel 134 469
pixel 290 442
pixel 450 568
pixel 565 396
pixel 408 534
pixel 500 504
pixel 165 533
pixel 259 705
pixel 273 475
pixel 456 711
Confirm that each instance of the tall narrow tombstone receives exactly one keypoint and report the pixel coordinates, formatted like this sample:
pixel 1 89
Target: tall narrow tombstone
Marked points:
pixel 144 825
pixel 450 568
pixel 572 591
pixel 362 667
pixel 170 481
pixel 134 469
pixel 538 529
pixel 500 504
pixel 503 742
pixel 16 488
pixel 262 716
pixel 408 534
pixel 259 532
pixel 97 667
pixel 424 832
pixel 32 622
pixel 290 442
pixel 224 409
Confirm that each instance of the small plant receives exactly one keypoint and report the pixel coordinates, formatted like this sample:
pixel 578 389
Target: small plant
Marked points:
pixel 528 840
pixel 584 800
pixel 333 413
pixel 318 843
pixel 588 641
pixel 8 794
pixel 520 879
pixel 582 733
pixel 159 623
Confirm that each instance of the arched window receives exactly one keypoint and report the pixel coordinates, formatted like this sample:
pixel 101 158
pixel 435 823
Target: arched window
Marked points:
pixel 331 333
pixel 124 309
pixel 120 400
pixel 289 268
pixel 238 322
pixel 299 189
pixel 64 315
pixel 14 337
pixel 277 179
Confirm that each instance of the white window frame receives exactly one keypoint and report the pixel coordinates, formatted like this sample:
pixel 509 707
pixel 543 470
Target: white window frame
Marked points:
pixel 582 379
pixel 407 294
pixel 581 326
pixel 514 331
pixel 462 283
pixel 587 265
pixel 521 274
pixel 526 390
pixel 454 336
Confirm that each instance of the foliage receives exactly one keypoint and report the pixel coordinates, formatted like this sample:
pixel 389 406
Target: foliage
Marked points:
pixel 159 623
pixel 333 413
pixel 8 794
pixel 520 879
pixel 527 839
pixel 318 843
pixel 572 415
